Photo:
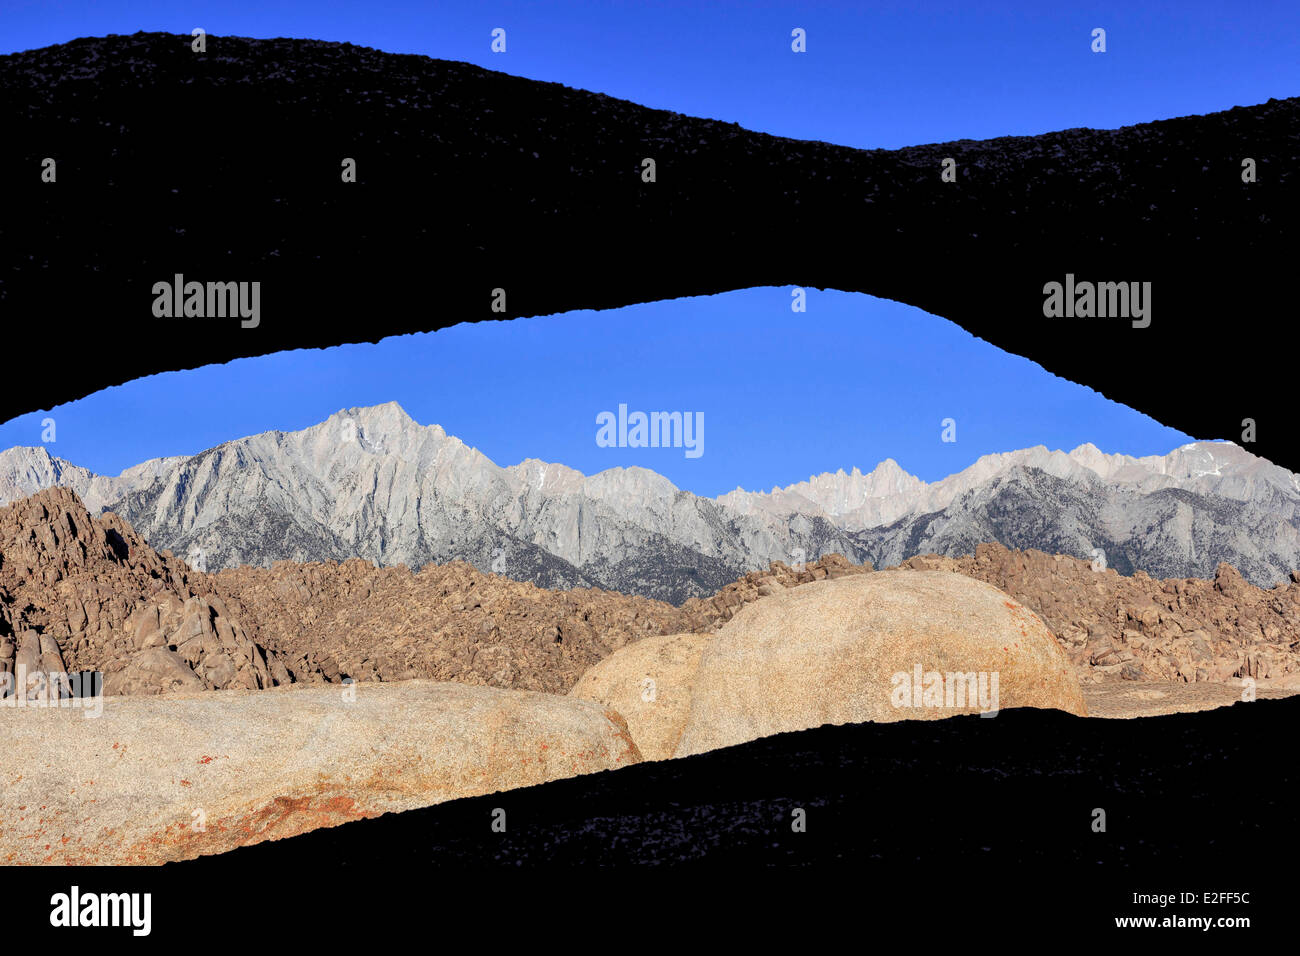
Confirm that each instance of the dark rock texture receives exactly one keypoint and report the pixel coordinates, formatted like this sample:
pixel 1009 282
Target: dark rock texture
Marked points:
pixel 225 166
pixel 1013 796
pixel 959 830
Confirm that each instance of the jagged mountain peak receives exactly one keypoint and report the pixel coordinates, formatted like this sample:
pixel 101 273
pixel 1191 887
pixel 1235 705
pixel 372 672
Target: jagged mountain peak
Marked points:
pixel 386 413
pixel 30 455
pixel 887 473
pixel 371 482
pixel 888 493
pixel 547 477
pixel 384 427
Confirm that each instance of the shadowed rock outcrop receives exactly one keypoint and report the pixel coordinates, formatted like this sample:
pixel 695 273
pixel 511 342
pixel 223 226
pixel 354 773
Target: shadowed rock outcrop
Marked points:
pixel 86 594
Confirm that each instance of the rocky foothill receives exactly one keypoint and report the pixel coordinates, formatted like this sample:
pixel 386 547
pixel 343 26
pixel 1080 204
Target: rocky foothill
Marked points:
pixel 332 620
pixel 81 593
pixel 335 620
pixel 1143 628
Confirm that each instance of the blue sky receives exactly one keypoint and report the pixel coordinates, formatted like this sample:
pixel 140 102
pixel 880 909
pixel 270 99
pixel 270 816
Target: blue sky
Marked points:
pixel 853 381
pixel 875 74
pixel 850 382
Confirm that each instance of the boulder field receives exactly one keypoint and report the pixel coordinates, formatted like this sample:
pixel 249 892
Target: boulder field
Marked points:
pixel 175 776
pixel 86 593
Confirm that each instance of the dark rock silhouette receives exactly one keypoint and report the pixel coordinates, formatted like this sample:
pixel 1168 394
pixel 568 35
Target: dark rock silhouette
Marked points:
pixel 226 166
pixel 1013 796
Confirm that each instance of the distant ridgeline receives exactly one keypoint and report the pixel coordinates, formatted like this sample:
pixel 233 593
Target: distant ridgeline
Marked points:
pixel 372 483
